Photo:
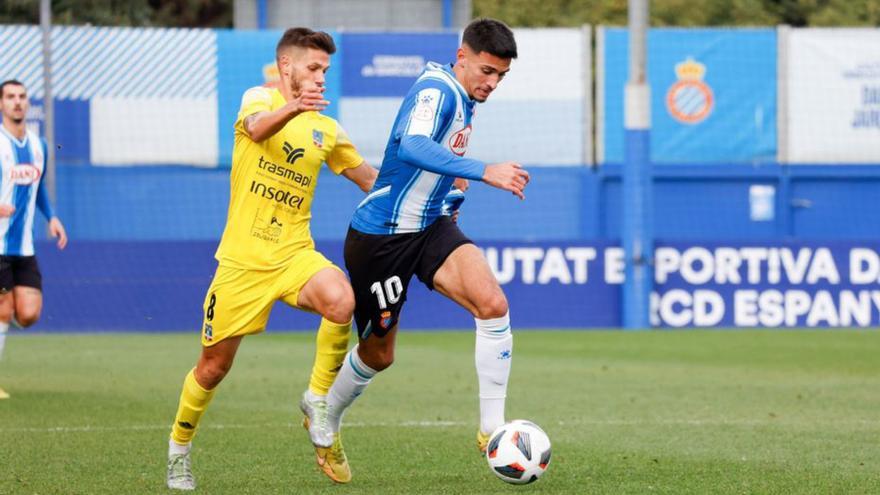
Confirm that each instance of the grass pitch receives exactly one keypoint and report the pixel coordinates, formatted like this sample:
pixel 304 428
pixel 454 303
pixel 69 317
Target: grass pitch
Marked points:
pixel 650 412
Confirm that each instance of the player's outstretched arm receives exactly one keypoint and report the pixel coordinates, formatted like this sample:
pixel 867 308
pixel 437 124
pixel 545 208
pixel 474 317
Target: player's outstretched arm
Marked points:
pixel 6 211
pixel 261 125
pixel 508 176
pixel 364 175
pixel 423 152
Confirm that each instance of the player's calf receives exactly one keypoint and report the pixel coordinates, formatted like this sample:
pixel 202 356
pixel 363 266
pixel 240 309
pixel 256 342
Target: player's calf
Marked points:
pixel 377 353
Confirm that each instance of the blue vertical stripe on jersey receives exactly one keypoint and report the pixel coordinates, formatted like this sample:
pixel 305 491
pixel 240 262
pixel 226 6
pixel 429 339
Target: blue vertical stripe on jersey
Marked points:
pixel 438 125
pixel 398 206
pixel 20 200
pixel 440 183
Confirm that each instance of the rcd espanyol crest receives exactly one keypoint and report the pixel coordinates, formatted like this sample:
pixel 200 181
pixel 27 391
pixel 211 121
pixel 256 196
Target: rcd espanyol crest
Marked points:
pixel 690 100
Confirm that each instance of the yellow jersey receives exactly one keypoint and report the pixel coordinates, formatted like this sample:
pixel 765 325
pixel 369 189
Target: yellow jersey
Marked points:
pixel 272 183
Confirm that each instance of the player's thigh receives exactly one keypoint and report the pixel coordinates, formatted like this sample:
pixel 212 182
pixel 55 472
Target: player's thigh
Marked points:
pixel 237 303
pixel 313 283
pixel 465 277
pixel 28 304
pixel 28 290
pixel 327 293
pixel 380 267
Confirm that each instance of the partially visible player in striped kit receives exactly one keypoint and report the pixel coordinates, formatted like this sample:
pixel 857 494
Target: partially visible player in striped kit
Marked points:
pixel 22 164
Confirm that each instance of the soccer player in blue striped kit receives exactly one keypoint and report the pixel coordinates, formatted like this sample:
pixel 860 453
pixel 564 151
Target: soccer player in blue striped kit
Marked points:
pixel 22 165
pixel 400 228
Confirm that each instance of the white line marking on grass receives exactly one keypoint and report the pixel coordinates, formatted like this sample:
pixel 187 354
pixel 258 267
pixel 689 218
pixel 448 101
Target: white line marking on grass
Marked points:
pixel 101 429
pixel 448 424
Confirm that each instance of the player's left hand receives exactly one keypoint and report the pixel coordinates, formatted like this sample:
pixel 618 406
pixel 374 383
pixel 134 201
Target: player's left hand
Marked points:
pixel 56 229
pixel 509 176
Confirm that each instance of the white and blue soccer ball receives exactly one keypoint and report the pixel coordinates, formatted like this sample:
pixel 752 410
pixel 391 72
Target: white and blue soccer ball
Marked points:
pixel 518 452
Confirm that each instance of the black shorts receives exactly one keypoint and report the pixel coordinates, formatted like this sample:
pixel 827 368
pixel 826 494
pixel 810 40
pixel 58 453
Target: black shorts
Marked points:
pixel 381 266
pixel 19 271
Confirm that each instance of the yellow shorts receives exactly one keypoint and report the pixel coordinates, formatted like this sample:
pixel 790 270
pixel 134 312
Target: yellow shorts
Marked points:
pixel 239 301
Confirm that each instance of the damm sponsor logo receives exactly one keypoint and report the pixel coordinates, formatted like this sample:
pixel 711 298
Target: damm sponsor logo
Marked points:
pixel 24 174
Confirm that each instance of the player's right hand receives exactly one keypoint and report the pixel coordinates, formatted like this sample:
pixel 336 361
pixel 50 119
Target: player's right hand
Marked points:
pixel 6 211
pixel 309 100
pixel 508 176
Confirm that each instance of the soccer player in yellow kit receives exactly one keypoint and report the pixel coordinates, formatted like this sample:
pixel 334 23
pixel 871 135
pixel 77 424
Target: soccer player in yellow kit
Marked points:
pixel 267 252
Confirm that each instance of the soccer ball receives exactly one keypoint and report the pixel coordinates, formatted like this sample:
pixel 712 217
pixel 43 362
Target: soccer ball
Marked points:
pixel 518 452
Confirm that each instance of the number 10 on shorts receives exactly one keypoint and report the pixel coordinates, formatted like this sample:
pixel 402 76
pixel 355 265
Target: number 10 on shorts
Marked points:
pixel 389 292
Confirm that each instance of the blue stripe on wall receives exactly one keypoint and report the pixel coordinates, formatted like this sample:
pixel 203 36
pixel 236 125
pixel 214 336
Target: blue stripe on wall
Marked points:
pixel 692 202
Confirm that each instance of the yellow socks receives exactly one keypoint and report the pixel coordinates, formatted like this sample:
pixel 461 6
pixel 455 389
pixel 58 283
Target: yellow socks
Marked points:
pixel 193 401
pixel 332 344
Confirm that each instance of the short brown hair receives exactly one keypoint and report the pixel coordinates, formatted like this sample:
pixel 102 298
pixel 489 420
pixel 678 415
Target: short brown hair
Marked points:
pixel 490 35
pixel 9 82
pixel 306 38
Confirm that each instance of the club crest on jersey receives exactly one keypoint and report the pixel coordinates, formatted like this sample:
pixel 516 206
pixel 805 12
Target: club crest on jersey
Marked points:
pixel 24 174
pixel 385 320
pixel 318 138
pixel 458 142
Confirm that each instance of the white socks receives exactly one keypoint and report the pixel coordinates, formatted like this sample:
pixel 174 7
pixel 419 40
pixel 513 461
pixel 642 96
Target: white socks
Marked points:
pixel 492 357
pixel 313 397
pixel 493 352
pixel 4 328
pixel 351 381
pixel 175 448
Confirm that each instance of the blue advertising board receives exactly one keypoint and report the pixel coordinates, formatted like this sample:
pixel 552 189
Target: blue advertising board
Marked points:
pixel 713 94
pixel 386 64
pixel 779 284
pixel 160 286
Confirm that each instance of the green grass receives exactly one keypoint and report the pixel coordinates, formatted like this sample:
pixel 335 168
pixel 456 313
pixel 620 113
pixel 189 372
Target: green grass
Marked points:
pixel 764 412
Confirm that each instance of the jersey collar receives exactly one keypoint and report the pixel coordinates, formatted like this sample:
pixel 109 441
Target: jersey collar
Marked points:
pixel 447 69
pixel 19 143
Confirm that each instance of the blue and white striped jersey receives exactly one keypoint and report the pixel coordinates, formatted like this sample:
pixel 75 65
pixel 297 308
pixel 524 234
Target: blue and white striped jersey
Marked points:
pixel 424 155
pixel 21 171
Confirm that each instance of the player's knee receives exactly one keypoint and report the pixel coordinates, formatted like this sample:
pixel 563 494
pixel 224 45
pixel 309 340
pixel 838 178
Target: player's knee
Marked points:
pixel 492 306
pixel 209 373
pixel 341 307
pixel 378 359
pixel 26 319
